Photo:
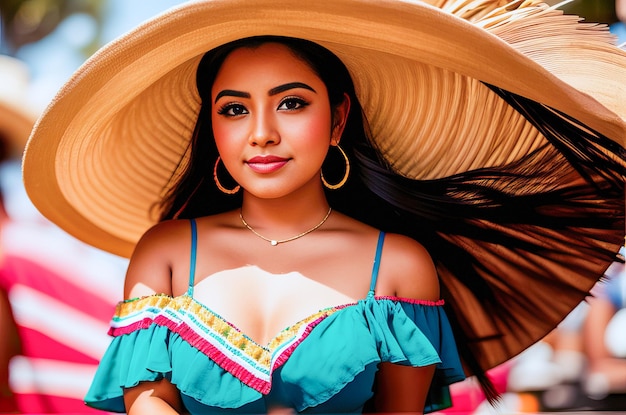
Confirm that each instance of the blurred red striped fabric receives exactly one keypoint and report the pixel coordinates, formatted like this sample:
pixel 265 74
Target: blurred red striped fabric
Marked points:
pixel 62 295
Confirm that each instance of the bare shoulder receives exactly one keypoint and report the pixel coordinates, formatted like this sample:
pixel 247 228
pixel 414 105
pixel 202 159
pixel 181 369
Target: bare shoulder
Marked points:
pixel 407 269
pixel 150 268
pixel 164 233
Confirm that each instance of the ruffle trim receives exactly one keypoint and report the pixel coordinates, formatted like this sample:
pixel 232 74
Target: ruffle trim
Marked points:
pixel 215 337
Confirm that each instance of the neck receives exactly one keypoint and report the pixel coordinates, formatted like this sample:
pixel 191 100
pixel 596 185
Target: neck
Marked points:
pixel 284 217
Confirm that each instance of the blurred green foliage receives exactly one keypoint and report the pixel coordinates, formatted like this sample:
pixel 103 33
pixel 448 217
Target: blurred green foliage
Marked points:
pixel 27 21
pixel 602 11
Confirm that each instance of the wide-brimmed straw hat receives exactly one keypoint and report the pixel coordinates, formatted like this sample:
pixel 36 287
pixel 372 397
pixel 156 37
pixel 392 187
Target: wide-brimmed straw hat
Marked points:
pixel 104 151
pixel 17 116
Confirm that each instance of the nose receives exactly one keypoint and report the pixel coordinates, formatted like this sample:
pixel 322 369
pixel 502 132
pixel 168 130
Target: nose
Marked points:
pixel 264 131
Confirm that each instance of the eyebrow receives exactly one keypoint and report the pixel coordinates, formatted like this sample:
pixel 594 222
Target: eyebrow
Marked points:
pixel 231 93
pixel 273 91
pixel 287 87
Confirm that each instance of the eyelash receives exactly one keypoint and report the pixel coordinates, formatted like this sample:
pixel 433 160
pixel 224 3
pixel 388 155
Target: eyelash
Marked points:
pixel 299 101
pixel 226 108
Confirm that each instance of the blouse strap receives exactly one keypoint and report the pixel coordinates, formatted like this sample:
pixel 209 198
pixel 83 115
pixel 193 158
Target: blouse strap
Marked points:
pixel 192 260
pixel 379 250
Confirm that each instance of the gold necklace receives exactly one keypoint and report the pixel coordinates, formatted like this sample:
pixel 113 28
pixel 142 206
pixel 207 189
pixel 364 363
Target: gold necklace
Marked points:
pixel 275 242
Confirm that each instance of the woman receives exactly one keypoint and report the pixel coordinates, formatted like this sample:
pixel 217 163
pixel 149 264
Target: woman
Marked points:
pixel 271 109
pixel 493 211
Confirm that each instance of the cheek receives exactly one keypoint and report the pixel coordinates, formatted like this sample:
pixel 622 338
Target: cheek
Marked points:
pixel 316 127
pixel 313 138
pixel 225 135
pixel 220 131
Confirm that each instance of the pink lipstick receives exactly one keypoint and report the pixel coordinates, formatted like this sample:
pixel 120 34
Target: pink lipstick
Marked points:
pixel 266 164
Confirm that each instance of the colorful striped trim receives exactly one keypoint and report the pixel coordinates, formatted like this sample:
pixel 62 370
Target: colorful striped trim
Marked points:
pixel 429 303
pixel 206 331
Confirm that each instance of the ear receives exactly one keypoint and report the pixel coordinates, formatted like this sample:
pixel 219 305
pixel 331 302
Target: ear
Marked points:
pixel 339 120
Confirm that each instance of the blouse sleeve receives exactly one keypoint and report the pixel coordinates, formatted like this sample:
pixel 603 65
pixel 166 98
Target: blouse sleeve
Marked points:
pixel 418 333
pixel 432 321
pixel 130 359
pixel 138 352
pixel 152 340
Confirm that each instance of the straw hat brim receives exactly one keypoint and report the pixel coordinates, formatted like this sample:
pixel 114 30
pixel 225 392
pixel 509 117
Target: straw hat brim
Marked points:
pixel 102 153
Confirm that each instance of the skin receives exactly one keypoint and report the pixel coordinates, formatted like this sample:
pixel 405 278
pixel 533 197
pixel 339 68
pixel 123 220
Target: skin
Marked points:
pixel 600 359
pixel 620 10
pixel 296 278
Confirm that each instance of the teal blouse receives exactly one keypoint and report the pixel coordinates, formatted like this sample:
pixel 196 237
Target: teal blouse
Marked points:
pixel 326 363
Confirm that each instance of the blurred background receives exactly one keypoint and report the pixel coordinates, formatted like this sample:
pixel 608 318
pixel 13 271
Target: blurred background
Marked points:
pixel 57 294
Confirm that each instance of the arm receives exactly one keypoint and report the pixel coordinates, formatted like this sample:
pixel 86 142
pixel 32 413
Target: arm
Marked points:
pixel 402 388
pixel 150 272
pixel 150 267
pixel 408 272
pixel 602 364
pixel 620 10
pixel 600 312
pixel 159 397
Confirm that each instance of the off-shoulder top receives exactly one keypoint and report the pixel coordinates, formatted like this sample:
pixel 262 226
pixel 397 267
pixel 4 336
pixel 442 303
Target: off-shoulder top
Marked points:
pixel 325 363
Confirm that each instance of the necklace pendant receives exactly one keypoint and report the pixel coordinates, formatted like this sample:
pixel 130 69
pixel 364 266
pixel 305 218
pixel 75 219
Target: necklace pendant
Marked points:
pixel 274 243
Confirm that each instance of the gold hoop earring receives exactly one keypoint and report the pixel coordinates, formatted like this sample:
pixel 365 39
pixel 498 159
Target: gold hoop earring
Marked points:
pixel 345 176
pixel 217 181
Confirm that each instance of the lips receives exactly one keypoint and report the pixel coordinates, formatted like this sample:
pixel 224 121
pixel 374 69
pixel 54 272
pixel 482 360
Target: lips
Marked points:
pixel 266 164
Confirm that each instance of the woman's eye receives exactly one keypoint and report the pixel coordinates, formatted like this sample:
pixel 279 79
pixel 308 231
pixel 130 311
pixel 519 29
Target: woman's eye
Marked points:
pixel 232 110
pixel 291 104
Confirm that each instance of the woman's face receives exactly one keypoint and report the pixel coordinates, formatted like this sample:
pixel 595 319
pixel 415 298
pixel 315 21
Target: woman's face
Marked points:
pixel 272 120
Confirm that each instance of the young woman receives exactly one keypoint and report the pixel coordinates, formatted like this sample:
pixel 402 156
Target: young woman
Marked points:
pixel 272 108
pixel 324 180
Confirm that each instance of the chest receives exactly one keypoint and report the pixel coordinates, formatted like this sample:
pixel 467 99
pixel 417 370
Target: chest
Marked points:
pixel 261 304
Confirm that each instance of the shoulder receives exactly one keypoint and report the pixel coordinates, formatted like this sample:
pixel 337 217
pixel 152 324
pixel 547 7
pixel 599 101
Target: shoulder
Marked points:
pixel 150 267
pixel 164 237
pixel 407 269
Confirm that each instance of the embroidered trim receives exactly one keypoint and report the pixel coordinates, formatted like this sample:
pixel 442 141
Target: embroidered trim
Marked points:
pixel 206 331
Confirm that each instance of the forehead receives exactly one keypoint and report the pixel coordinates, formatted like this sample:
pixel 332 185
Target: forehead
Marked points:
pixel 264 64
pixel 272 49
